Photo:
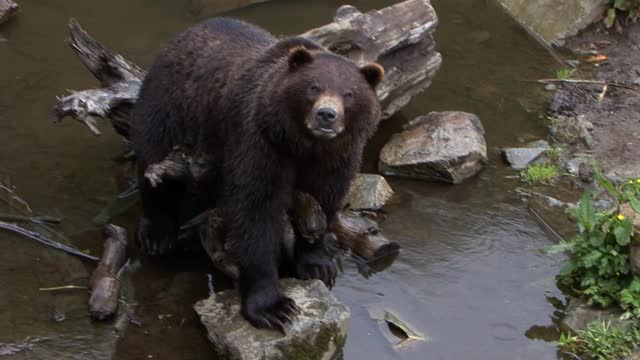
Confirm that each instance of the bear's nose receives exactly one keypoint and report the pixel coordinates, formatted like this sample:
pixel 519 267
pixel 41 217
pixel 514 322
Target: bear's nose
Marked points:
pixel 326 115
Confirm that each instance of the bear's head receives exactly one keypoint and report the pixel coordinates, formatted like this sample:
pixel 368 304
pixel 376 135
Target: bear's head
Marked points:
pixel 328 95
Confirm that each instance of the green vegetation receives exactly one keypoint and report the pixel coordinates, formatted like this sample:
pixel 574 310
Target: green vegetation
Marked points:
pixel 540 173
pixel 629 9
pixel 565 73
pixel 598 267
pixel 555 153
pixel 602 340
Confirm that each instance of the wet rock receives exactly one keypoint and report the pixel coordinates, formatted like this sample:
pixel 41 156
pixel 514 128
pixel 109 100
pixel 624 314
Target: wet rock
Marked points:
pixel 368 192
pixel 572 130
pixel 318 333
pixel 579 314
pixel 552 213
pixel 552 20
pixel 441 146
pixel 520 158
pixel 7 9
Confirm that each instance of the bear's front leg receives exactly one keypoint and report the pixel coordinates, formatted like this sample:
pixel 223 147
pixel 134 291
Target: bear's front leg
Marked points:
pixel 257 193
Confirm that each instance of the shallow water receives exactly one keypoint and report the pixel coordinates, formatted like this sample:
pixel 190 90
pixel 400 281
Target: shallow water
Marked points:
pixel 470 276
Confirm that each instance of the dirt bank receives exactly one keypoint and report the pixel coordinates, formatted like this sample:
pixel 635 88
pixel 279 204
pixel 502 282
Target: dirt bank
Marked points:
pixel 605 119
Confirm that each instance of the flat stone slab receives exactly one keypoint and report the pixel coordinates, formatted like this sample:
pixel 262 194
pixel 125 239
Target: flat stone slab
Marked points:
pixel 368 192
pixel 441 146
pixel 579 314
pixel 552 20
pixel 318 333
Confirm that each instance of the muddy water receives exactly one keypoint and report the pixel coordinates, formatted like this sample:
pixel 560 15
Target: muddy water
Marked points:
pixel 470 276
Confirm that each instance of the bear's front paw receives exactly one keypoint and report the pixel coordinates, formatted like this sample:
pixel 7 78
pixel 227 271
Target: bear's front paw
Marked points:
pixel 266 307
pixel 317 262
pixel 154 239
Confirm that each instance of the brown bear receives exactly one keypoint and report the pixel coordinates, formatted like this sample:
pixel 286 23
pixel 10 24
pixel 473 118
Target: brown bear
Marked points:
pixel 271 116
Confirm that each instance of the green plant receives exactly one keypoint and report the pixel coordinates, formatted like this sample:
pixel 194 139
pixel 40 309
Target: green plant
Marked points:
pixel 616 7
pixel 597 267
pixel 555 153
pixel 601 340
pixel 564 73
pixel 540 173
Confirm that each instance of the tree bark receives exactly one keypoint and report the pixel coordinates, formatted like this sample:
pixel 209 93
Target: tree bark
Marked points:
pixel 399 37
pixel 104 284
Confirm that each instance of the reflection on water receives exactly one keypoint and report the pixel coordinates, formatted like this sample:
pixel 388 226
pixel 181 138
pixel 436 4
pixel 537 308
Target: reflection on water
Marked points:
pixel 470 276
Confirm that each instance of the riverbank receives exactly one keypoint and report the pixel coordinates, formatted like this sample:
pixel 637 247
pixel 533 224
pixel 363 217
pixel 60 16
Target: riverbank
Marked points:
pixel 606 115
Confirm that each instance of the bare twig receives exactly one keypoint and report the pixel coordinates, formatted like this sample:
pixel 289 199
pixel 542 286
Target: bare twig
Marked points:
pixel 594 82
pixel 65 287
pixel 45 240
pixel 34 219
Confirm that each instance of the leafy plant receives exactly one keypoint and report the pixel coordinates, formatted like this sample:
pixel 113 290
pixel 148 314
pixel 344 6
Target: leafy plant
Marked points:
pixel 541 173
pixel 616 7
pixel 565 73
pixel 598 264
pixel 601 340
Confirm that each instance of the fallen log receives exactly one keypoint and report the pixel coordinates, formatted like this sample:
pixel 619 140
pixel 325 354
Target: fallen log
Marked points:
pixel 7 9
pixel 104 284
pixel 399 37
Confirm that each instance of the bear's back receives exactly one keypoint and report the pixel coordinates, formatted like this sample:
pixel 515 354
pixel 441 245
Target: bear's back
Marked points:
pixel 188 80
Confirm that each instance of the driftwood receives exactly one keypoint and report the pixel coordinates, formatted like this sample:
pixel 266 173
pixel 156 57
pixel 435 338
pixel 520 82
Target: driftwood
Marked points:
pixel 399 37
pixel 7 9
pixel 104 284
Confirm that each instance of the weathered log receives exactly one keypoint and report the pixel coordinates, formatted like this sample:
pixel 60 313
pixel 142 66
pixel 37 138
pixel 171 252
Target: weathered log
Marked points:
pixel 7 9
pixel 399 37
pixel 104 284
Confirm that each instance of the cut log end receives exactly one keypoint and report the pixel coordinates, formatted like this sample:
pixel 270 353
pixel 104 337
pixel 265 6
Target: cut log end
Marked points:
pixel 104 284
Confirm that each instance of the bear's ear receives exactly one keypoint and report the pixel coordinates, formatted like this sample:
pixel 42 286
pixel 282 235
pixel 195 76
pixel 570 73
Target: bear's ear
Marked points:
pixel 374 73
pixel 299 56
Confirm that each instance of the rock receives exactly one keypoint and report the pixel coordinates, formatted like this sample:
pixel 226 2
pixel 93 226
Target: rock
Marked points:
pixel 441 146
pixel 572 130
pixel 552 213
pixel 7 8
pixel 579 314
pixel 552 20
pixel 520 158
pixel 551 87
pixel 368 192
pixel 318 333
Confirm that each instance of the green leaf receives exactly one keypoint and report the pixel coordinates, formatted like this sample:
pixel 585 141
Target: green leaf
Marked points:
pixel 623 231
pixel 621 5
pixel 605 183
pixel 586 213
pixel 633 201
pixel 610 19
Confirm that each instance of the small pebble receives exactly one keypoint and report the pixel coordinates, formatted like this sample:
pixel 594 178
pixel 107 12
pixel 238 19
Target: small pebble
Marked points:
pixel 551 87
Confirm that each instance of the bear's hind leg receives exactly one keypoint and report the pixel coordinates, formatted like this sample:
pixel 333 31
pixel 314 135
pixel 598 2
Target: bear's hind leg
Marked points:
pixel 157 231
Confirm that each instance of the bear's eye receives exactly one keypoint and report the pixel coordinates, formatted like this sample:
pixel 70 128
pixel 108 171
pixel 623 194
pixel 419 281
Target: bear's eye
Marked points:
pixel 315 89
pixel 348 95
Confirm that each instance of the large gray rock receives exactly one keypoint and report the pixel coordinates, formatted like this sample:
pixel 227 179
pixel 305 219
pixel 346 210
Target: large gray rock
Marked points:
pixel 318 333
pixel 368 192
pixel 441 146
pixel 579 314
pixel 520 158
pixel 552 20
